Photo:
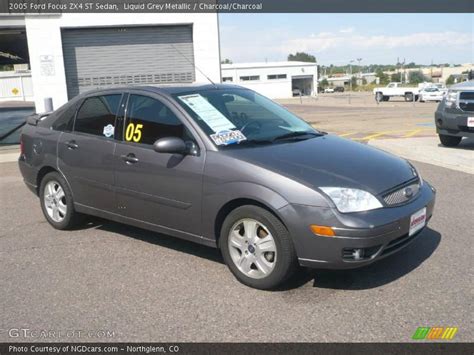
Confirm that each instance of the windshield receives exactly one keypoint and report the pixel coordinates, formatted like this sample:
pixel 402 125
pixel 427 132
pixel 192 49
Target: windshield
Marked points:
pixel 257 118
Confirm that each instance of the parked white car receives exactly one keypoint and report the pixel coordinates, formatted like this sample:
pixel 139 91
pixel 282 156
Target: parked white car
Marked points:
pixel 396 89
pixel 431 93
pixel 328 90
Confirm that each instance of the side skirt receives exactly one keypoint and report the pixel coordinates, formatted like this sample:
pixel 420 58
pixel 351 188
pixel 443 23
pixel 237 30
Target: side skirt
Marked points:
pixel 145 225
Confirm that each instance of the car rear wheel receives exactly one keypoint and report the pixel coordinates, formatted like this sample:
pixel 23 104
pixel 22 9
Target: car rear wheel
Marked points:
pixel 408 96
pixel 449 141
pixel 56 202
pixel 257 247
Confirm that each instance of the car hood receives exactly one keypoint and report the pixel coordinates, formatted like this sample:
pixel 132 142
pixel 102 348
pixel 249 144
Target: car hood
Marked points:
pixel 330 161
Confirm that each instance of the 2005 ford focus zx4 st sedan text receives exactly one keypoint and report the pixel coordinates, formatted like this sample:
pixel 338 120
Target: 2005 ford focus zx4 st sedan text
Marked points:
pixel 226 167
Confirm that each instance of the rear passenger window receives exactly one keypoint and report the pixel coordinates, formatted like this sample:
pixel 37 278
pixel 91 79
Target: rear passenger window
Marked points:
pixel 65 121
pixel 149 119
pixel 97 115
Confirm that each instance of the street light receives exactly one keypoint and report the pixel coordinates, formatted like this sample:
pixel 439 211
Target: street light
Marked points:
pixel 350 79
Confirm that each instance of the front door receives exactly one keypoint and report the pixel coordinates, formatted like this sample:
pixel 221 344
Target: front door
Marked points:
pixel 86 155
pixel 159 188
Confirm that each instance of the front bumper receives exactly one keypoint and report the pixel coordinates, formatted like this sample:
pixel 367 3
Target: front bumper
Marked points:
pixel 379 233
pixel 453 122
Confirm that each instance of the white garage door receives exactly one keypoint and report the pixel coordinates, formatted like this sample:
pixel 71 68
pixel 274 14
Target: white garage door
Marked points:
pixel 104 57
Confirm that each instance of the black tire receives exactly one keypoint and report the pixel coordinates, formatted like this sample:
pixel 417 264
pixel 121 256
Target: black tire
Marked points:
pixel 71 218
pixel 386 98
pixel 449 141
pixel 408 97
pixel 286 260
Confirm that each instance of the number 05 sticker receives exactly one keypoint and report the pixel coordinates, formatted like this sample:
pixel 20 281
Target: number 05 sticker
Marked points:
pixel 133 132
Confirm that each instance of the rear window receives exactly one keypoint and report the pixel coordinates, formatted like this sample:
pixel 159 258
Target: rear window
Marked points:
pixel 65 120
pixel 97 115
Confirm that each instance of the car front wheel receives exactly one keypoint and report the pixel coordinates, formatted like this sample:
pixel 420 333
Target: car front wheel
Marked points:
pixel 449 141
pixel 56 202
pixel 257 248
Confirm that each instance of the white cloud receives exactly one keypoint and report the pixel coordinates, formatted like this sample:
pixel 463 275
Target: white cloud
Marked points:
pixel 347 30
pixel 325 41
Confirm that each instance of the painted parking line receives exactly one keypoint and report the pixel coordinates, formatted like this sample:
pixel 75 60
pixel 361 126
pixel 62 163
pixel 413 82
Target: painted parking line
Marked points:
pixel 405 133
pixel 412 133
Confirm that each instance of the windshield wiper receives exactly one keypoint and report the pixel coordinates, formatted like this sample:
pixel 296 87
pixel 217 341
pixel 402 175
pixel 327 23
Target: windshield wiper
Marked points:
pixel 296 134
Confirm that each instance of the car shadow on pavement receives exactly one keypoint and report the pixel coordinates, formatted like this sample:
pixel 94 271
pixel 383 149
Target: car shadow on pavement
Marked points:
pixel 466 144
pixel 377 274
pixel 159 239
pixel 382 272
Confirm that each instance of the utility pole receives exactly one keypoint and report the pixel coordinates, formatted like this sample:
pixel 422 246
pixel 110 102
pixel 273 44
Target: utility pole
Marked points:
pixel 350 80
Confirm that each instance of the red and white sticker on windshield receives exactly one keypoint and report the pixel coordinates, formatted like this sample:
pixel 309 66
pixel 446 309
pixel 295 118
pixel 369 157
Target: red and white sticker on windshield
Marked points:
pixel 417 221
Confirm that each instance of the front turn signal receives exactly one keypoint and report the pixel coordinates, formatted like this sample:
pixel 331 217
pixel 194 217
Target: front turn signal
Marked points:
pixel 322 230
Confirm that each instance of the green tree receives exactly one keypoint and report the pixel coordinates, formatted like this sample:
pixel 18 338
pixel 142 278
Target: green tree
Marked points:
pixel 383 78
pixel 416 77
pixel 226 61
pixel 450 80
pixel 397 77
pixel 354 82
pixel 324 83
pixel 301 57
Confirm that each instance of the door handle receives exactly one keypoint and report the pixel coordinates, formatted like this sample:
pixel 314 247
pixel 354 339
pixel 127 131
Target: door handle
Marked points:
pixel 130 158
pixel 72 145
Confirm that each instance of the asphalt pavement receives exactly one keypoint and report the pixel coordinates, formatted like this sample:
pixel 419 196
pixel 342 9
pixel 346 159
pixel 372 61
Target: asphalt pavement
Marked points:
pixel 111 282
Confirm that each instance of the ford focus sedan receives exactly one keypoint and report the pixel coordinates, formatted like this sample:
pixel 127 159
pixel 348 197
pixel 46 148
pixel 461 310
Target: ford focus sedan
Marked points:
pixel 223 166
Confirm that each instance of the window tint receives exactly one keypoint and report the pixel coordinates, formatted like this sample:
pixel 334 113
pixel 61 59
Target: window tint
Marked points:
pixel 97 115
pixel 250 77
pixel 226 79
pixel 149 119
pixel 65 121
pixel 276 76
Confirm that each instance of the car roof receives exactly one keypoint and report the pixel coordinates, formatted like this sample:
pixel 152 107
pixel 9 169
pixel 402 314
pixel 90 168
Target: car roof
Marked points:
pixel 166 89
pixel 464 85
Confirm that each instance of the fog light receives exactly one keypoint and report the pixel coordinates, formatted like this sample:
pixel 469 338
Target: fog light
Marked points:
pixel 322 230
pixel 358 254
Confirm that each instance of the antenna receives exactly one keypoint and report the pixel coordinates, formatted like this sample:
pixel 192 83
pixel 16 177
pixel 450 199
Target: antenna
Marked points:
pixel 195 66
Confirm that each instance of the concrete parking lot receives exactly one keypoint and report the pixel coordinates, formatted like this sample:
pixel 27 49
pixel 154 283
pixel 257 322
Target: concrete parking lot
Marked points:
pixel 357 116
pixel 143 286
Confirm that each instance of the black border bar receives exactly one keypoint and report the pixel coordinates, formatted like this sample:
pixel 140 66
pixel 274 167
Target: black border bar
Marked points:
pixel 235 6
pixel 237 348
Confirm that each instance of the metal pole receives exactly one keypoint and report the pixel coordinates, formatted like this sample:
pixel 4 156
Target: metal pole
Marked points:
pixel 350 81
pixel 22 88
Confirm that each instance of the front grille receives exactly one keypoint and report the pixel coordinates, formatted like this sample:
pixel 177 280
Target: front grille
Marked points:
pixel 466 100
pixel 403 194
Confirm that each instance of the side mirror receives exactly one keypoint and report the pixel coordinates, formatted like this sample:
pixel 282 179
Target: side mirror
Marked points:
pixel 171 145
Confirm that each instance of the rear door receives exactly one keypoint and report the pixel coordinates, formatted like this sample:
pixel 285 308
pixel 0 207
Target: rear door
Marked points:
pixel 86 155
pixel 159 188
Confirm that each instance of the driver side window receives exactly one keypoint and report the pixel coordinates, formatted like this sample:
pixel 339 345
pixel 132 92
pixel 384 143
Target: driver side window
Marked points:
pixel 149 119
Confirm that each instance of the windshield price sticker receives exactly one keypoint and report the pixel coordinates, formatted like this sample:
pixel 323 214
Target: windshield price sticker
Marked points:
pixel 208 113
pixel 228 137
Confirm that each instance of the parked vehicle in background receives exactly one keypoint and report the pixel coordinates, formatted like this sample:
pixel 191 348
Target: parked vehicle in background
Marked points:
pixel 339 89
pixel 328 90
pixel 296 92
pixel 454 117
pixel 394 90
pixel 431 93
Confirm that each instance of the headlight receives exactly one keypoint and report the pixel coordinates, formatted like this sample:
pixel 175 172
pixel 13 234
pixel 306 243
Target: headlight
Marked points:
pixel 451 98
pixel 351 200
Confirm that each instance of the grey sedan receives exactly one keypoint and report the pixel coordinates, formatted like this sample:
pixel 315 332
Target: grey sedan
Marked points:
pixel 226 167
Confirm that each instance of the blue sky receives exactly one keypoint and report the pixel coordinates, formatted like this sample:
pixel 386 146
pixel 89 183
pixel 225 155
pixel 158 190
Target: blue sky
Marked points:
pixel 338 38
